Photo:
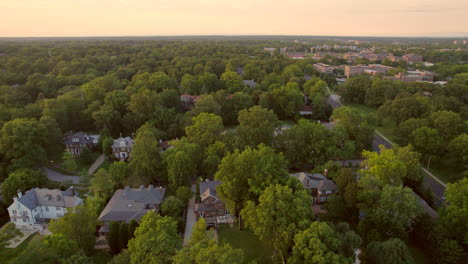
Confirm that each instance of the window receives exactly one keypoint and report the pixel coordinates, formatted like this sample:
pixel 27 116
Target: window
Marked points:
pixel 76 140
pixel 24 220
pixel 13 211
pixel 58 208
pixel 122 144
pixel 13 219
pixel 25 213
pixel 220 211
pixel 47 209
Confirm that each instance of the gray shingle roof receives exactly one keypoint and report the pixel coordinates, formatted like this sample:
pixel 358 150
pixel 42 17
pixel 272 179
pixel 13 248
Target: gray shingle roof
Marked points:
pixel 45 197
pixel 315 181
pixel 132 203
pixel 208 188
pixel 82 138
pixel 127 140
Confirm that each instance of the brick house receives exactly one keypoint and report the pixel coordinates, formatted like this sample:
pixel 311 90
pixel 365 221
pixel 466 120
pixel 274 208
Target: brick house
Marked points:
pixel 122 148
pixel 319 185
pixel 75 143
pixel 210 206
pixel 188 101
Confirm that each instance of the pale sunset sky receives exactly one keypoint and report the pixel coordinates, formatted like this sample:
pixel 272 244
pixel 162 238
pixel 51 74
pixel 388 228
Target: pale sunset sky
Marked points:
pixel 44 18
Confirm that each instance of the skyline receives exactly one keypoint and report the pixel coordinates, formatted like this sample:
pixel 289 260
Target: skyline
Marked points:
pixel 87 18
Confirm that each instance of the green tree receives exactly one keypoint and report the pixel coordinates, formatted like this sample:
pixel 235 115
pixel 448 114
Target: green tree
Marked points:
pixel 246 174
pixel 184 193
pixel 407 127
pixel 113 239
pixel 385 166
pixel 146 161
pixel 232 81
pixel 24 180
pixel 156 240
pixel 68 161
pixel 428 141
pixel 101 184
pixel 180 168
pixel 354 90
pixel 319 243
pixel 447 123
pixel 119 173
pixel 392 251
pixel 458 149
pixel 79 226
pixel 172 206
pixel 123 235
pixel 204 129
pixel 279 215
pixel 256 125
pixel 8 232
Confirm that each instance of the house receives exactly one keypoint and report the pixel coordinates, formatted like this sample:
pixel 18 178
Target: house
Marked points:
pixel 306 110
pixel 122 148
pixel 210 207
pixel 40 205
pixel 131 203
pixel 250 83
pixel 75 143
pixel 324 68
pixel 318 184
pixel 188 101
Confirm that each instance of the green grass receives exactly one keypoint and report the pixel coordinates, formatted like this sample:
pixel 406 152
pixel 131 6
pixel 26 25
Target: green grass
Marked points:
pixel 100 256
pixel 105 164
pixel 8 254
pixel 254 249
pixel 418 255
pixel 362 108
pixel 445 169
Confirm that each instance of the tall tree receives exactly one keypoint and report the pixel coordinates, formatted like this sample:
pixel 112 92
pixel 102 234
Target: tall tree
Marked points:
pixel 279 215
pixel 392 251
pixel 256 125
pixel 204 128
pixel 24 180
pixel 156 240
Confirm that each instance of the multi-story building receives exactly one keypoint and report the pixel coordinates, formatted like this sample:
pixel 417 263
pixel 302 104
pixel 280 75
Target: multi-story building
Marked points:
pixel 414 76
pixel 318 184
pixel 324 68
pixel 131 203
pixel 412 58
pixel 75 143
pixel 210 207
pixel 188 101
pixel 122 148
pixel 372 69
pixel 38 206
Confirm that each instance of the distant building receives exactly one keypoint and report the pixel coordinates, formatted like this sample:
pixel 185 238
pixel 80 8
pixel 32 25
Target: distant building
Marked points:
pixel 250 83
pixel 188 101
pixel 414 76
pixel 210 207
pixel 306 110
pixel 318 184
pixel 75 143
pixel 460 42
pixel 131 203
pixel 296 55
pixel 324 68
pixel 38 206
pixel 372 69
pixel 412 58
pixel 122 148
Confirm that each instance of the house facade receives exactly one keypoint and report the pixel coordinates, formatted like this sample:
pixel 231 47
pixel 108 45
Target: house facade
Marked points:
pixel 188 101
pixel 131 203
pixel 75 143
pixel 318 184
pixel 210 207
pixel 122 148
pixel 38 205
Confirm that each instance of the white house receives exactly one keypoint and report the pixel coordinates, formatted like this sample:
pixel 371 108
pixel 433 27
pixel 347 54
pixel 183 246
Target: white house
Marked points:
pixel 41 204
pixel 122 147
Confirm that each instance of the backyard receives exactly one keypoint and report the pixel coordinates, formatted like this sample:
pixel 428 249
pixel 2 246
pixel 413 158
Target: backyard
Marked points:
pixel 254 249
pixel 8 254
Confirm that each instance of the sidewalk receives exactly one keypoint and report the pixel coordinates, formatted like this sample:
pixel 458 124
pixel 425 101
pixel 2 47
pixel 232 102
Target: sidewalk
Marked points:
pixel 191 218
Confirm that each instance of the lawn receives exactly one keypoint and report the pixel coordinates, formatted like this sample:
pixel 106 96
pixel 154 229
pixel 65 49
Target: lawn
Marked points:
pixel 254 249
pixel 8 254
pixel 445 170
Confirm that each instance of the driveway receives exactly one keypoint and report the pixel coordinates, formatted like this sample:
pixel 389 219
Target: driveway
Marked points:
pixel 96 164
pixel 191 218
pixel 58 177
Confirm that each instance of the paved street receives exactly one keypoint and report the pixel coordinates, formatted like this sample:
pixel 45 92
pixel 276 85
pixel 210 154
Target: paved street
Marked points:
pixel 58 177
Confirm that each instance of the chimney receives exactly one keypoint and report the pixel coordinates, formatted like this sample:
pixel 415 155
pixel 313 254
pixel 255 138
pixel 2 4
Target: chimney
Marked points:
pixel 19 193
pixel 120 135
pixel 325 172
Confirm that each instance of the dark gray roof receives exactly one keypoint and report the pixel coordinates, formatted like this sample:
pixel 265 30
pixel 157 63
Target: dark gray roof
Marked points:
pixel 82 138
pixel 315 181
pixel 132 203
pixel 208 188
pixel 326 185
pixel 250 83
pixel 123 142
pixel 45 197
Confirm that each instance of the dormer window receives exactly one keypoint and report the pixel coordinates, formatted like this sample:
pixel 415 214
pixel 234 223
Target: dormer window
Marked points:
pixel 122 144
pixel 76 140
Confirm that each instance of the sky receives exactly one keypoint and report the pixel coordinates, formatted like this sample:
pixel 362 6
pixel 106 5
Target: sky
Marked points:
pixel 60 18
